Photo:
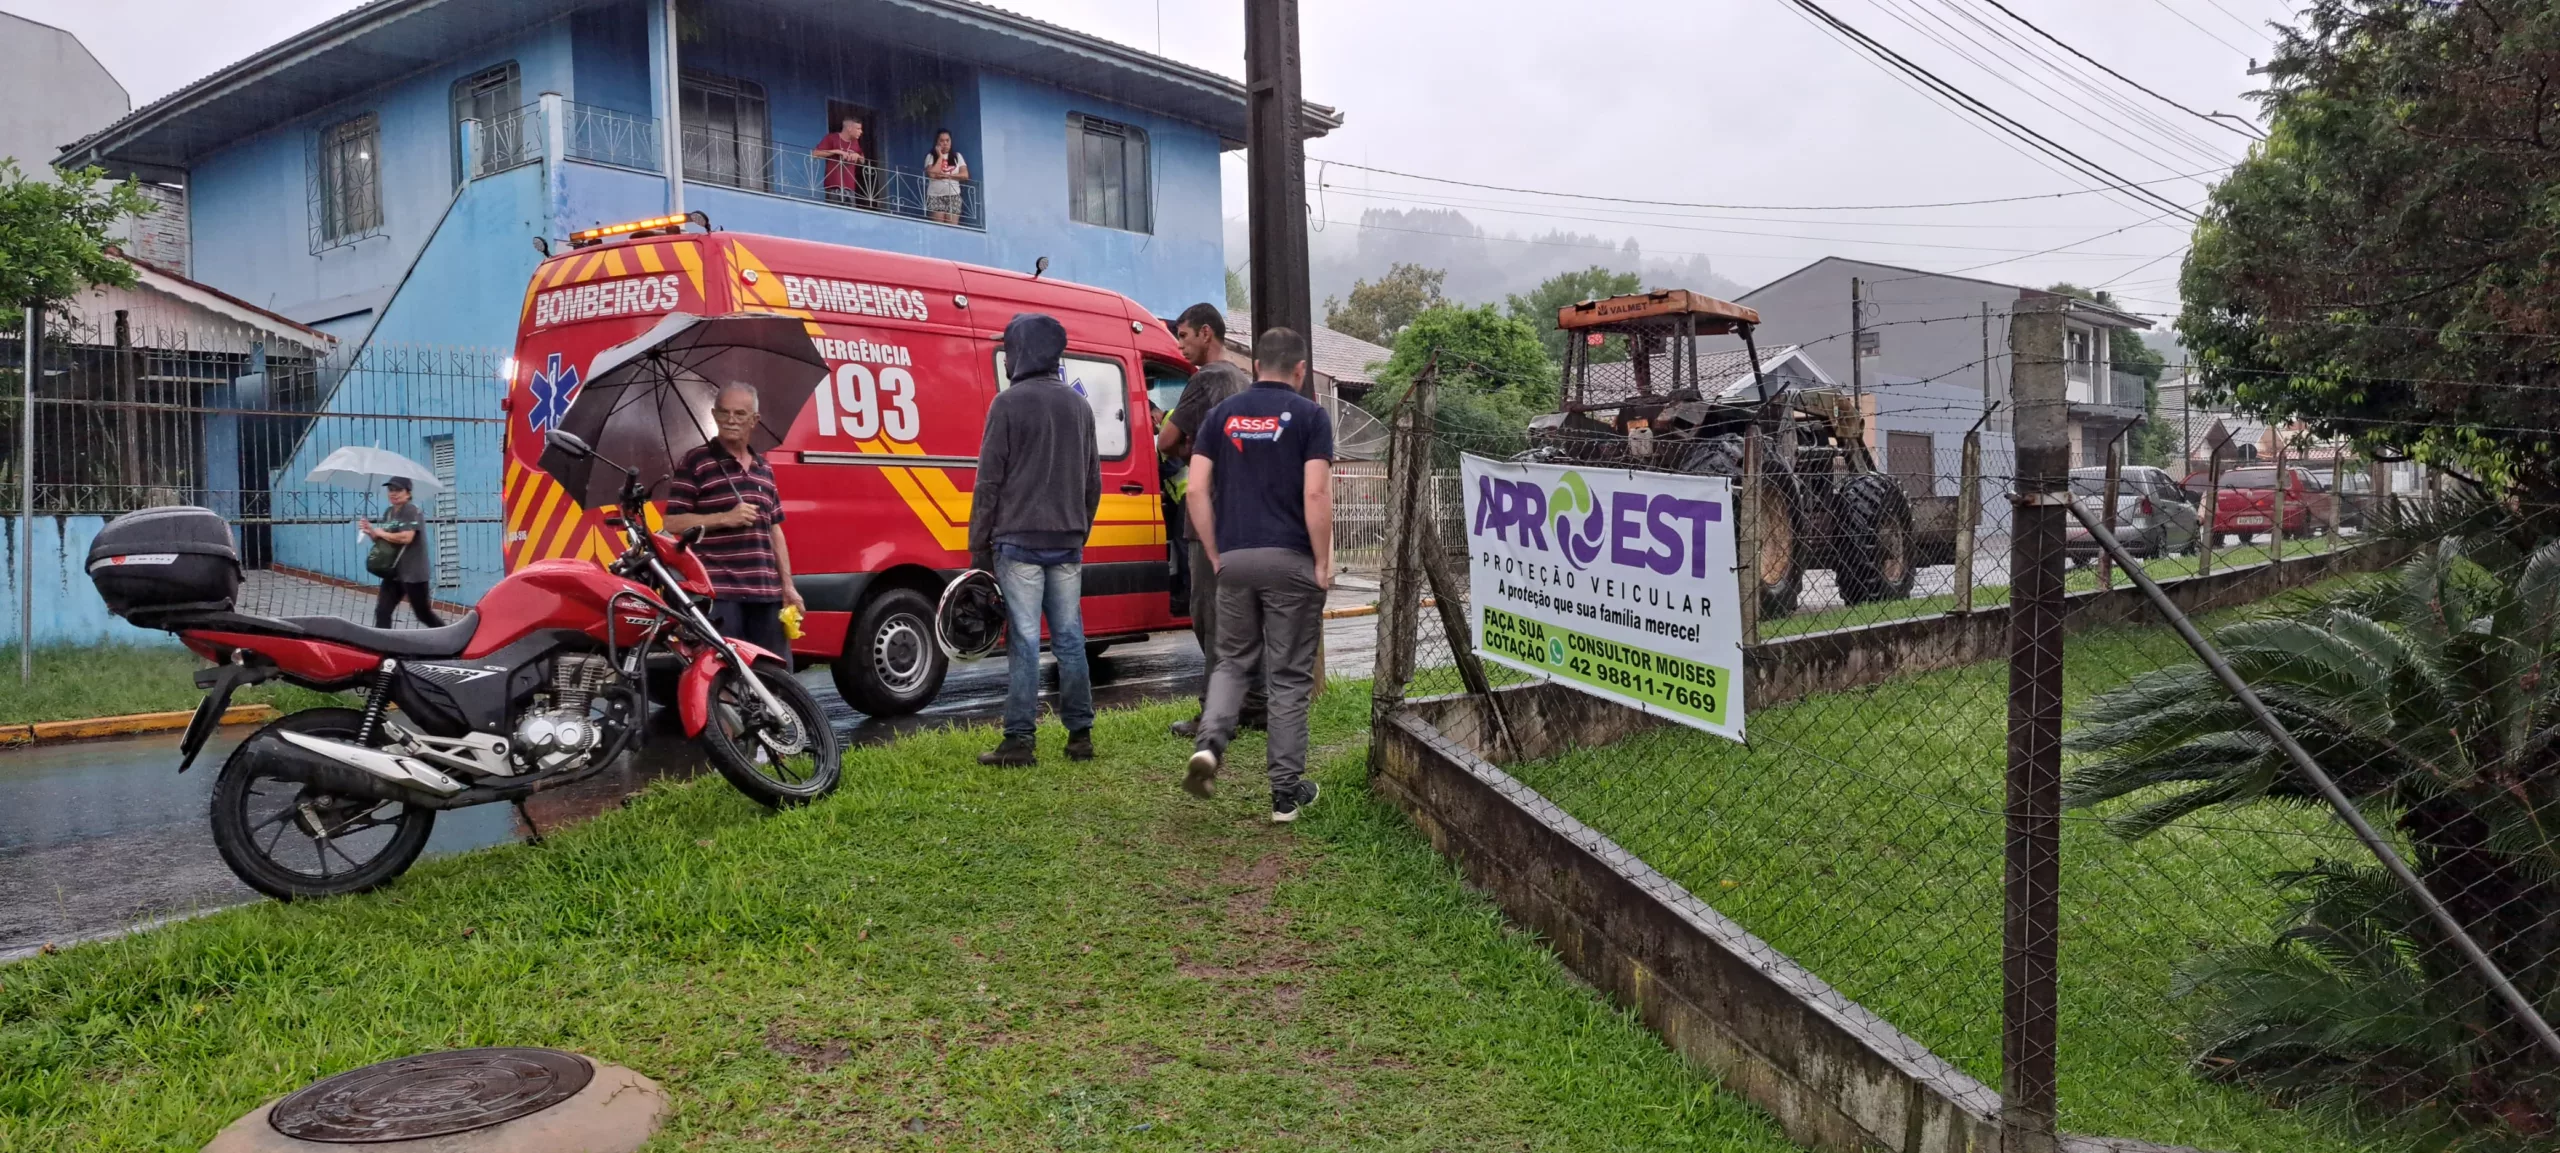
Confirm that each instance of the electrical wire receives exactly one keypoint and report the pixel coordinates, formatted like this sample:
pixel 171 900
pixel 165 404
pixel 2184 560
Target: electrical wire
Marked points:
pixel 1758 207
pixel 2217 119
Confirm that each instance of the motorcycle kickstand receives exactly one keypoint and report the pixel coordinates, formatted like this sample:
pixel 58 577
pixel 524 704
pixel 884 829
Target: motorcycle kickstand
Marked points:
pixel 533 832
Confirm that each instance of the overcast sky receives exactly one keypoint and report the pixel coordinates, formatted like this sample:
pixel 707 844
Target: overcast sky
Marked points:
pixel 1728 102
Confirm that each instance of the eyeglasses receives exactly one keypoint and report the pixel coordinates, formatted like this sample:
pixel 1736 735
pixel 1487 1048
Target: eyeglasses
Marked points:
pixel 732 416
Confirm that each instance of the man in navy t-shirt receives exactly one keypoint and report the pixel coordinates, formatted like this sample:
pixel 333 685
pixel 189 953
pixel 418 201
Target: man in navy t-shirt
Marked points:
pixel 1261 501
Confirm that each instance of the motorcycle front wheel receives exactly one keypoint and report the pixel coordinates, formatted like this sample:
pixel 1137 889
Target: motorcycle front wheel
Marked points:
pixel 780 761
pixel 291 841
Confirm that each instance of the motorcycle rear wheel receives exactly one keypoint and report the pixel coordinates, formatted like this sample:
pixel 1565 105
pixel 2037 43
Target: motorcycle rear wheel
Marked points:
pixel 264 825
pixel 793 763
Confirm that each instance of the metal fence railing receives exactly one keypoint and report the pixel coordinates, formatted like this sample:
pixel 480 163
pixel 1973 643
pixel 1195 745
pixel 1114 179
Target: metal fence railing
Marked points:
pixel 138 410
pixel 758 165
pixel 611 137
pixel 2034 829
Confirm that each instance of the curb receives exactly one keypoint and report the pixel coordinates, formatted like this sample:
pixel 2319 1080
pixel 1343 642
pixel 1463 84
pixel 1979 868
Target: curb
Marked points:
pixel 43 732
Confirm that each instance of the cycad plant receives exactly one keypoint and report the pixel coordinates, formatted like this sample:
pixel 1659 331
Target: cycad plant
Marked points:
pixel 2428 693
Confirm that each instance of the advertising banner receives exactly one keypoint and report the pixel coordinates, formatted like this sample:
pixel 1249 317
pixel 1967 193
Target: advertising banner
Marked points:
pixel 1621 584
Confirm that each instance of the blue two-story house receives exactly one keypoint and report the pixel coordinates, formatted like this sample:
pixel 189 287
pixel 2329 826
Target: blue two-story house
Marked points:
pixel 349 177
pixel 387 176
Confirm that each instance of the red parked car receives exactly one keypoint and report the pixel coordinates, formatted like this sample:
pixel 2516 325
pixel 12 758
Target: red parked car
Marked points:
pixel 2246 506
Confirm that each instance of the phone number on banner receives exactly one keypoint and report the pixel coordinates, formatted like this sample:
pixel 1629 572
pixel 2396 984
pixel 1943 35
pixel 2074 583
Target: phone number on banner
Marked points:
pixel 1682 689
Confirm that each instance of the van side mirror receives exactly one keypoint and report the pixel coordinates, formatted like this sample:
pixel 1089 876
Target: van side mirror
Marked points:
pixel 570 444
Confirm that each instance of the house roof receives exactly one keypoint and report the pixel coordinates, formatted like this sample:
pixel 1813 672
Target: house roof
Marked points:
pixel 2086 310
pixel 153 281
pixel 359 50
pixel 1343 357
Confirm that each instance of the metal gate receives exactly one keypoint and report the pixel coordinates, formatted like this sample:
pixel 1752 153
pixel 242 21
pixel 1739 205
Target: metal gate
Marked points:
pixel 136 408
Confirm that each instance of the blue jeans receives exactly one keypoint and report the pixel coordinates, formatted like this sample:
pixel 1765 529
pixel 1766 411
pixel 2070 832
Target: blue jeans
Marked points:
pixel 1031 591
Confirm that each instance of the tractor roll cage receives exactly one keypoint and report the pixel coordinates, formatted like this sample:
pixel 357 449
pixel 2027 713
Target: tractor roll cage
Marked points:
pixel 1667 319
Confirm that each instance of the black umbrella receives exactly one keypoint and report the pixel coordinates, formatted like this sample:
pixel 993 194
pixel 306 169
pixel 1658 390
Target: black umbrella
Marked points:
pixel 647 401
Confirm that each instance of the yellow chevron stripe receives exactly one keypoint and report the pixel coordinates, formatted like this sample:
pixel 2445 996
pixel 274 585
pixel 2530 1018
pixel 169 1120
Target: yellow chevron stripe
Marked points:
pixel 1116 535
pixel 565 532
pixel 539 528
pixel 647 254
pixel 613 262
pixel 560 274
pixel 946 534
pixel 691 257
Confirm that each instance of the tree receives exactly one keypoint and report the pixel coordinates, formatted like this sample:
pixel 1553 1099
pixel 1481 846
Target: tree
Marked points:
pixel 2386 266
pixel 1539 306
pixel 1378 310
pixel 1238 295
pixel 2151 443
pixel 2426 695
pixel 1493 377
pixel 54 234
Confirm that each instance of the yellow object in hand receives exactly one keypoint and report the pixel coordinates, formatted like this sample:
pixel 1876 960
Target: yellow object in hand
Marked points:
pixel 791 621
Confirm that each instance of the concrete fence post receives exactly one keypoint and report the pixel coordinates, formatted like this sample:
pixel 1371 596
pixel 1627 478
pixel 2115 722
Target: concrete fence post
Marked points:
pixel 2032 873
pixel 1968 517
pixel 1409 499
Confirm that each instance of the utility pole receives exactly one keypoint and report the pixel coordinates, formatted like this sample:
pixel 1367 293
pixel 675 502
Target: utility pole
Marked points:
pixel 1857 343
pixel 1276 170
pixel 28 339
pixel 2030 1006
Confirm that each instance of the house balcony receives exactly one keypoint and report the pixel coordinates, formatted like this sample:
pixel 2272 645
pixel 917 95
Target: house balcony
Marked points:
pixel 2105 395
pixel 726 160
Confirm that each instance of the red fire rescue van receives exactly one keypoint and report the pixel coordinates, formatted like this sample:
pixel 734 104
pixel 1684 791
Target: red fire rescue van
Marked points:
pixel 876 472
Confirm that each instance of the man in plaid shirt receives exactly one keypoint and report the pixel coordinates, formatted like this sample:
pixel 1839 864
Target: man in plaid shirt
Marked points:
pixel 726 489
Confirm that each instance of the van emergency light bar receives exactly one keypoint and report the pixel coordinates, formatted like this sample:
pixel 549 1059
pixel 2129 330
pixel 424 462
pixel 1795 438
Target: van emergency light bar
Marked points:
pixel 669 225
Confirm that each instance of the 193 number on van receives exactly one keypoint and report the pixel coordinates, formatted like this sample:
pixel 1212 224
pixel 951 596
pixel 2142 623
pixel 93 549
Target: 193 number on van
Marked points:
pixel 865 406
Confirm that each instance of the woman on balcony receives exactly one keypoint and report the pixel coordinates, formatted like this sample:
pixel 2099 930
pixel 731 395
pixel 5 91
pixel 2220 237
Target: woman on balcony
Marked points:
pixel 945 170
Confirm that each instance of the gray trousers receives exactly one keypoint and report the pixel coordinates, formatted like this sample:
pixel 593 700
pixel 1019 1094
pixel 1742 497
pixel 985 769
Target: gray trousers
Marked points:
pixel 1204 625
pixel 1270 611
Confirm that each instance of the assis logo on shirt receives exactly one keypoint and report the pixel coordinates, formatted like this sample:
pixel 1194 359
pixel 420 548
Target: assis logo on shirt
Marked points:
pixel 1241 428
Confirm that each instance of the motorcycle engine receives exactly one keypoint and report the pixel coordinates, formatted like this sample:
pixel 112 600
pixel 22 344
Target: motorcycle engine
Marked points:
pixel 567 732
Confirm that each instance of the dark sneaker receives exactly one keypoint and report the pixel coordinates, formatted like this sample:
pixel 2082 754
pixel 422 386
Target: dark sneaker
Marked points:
pixel 1285 807
pixel 1187 730
pixel 1080 745
pixel 1012 751
pixel 1198 775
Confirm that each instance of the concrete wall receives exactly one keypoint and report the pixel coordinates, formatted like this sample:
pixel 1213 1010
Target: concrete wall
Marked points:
pixel 67 608
pixel 52 92
pixel 250 202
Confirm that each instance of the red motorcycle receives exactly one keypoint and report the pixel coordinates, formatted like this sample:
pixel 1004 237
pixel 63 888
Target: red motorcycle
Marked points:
pixel 543 685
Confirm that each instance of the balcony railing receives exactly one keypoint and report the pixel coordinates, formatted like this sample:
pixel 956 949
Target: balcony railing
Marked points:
pixel 619 139
pixel 735 161
pixel 509 139
pixel 2128 389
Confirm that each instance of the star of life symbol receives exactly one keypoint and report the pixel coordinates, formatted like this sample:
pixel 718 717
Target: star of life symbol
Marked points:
pixel 553 388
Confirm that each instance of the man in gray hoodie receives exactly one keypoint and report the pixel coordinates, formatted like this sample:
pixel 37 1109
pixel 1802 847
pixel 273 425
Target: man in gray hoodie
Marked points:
pixel 1039 484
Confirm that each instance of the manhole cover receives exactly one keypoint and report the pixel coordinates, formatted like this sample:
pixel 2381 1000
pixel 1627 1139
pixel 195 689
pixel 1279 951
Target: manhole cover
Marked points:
pixel 431 1095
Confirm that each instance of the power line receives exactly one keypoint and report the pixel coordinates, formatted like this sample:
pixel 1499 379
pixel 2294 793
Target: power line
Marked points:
pixel 2209 33
pixel 1756 207
pixel 2079 78
pixel 1992 115
pixel 2217 119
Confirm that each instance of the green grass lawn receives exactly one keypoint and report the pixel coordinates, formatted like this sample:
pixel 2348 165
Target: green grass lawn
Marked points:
pixel 942 956
pixel 1861 833
pixel 112 680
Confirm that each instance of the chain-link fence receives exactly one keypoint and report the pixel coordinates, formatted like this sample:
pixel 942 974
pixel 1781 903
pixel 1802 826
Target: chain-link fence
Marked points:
pixel 148 406
pixel 2016 814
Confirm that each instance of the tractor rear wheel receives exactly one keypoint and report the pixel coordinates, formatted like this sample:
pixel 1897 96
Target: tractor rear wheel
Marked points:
pixel 1780 568
pixel 1872 553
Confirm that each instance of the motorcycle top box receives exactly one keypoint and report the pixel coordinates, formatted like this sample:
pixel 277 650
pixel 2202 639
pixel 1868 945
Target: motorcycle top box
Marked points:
pixel 163 560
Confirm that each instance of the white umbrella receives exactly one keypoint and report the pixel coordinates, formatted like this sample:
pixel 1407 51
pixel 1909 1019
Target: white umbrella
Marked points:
pixel 356 466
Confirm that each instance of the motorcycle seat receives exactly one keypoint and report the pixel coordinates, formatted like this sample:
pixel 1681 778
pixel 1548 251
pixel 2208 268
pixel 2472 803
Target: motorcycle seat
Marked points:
pixel 427 644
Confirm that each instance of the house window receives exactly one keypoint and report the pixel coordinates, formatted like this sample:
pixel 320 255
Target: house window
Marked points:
pixel 1107 174
pixel 726 132
pixel 448 530
pixel 350 180
pixel 1104 384
pixel 2079 353
pixel 491 96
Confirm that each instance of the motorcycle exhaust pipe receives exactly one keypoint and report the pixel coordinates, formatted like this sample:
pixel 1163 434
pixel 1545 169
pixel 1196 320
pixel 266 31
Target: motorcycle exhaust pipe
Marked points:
pixel 354 770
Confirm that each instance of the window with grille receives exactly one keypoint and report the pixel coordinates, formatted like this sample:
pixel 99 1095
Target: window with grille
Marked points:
pixel 350 179
pixel 448 534
pixel 491 96
pixel 1107 174
pixel 726 131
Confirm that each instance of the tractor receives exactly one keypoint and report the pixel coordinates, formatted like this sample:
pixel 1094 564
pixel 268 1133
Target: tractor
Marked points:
pixel 1667 406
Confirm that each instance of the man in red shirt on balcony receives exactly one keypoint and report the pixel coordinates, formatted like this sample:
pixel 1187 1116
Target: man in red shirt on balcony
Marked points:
pixel 842 151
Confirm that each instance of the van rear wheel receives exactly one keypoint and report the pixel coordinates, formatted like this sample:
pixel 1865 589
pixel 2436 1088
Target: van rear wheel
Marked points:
pixel 891 665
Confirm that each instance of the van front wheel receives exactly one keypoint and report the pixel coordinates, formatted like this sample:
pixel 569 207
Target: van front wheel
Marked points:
pixel 891 665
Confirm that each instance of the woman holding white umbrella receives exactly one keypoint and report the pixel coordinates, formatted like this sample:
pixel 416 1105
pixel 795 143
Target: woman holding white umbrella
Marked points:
pixel 399 552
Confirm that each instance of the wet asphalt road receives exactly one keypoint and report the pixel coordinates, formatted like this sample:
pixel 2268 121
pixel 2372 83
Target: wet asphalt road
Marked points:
pixel 101 837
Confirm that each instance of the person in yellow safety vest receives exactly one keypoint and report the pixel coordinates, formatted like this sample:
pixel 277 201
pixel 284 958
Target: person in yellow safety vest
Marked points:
pixel 1201 330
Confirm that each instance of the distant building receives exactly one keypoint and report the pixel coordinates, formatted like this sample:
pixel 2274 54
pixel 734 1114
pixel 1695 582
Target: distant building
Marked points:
pixel 1949 335
pixel 52 92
